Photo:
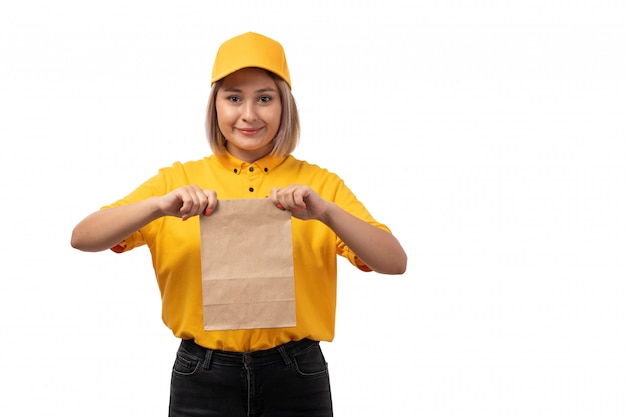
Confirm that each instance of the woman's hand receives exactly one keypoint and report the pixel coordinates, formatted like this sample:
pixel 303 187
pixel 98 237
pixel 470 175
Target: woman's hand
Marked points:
pixel 106 228
pixel 304 203
pixel 188 201
pixel 377 248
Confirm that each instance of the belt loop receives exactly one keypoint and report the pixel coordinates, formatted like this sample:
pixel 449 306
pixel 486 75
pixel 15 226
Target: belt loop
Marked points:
pixel 284 355
pixel 207 360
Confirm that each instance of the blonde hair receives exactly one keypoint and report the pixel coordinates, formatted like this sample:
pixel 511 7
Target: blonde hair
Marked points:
pixel 288 133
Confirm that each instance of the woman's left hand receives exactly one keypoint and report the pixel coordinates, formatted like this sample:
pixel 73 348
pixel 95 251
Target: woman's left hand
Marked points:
pixel 377 248
pixel 301 200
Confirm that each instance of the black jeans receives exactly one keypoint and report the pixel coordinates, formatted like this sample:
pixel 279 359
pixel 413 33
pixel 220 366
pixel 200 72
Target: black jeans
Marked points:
pixel 290 380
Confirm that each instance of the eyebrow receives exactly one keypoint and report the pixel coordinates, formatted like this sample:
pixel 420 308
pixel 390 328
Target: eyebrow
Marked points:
pixel 262 90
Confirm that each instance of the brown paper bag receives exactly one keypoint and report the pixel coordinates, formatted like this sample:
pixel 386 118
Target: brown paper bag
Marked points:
pixel 247 266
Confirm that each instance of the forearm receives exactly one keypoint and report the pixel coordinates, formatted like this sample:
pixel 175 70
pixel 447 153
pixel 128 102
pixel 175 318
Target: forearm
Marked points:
pixel 377 248
pixel 106 228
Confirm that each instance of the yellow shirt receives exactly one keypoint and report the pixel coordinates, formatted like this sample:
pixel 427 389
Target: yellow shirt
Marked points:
pixel 175 247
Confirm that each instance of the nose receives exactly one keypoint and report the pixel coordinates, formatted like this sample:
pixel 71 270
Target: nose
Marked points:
pixel 249 112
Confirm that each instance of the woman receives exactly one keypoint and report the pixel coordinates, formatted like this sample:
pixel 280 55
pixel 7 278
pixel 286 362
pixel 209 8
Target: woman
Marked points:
pixel 253 127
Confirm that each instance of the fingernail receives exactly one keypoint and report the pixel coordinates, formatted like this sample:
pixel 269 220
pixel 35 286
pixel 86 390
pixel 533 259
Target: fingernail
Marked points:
pixel 280 206
pixel 185 218
pixel 208 212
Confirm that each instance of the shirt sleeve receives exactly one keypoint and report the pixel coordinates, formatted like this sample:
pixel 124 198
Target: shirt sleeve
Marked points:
pixel 129 243
pixel 156 186
pixel 346 199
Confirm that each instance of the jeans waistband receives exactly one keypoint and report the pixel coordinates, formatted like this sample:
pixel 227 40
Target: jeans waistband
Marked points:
pixel 280 353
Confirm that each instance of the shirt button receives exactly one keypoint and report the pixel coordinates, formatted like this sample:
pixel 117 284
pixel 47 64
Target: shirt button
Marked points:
pixel 251 169
pixel 235 170
pixel 265 169
pixel 251 189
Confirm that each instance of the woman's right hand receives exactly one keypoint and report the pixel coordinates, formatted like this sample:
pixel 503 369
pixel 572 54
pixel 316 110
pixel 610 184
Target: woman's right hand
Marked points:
pixel 106 228
pixel 188 201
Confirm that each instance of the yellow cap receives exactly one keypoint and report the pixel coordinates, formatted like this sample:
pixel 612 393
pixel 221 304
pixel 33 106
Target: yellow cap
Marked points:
pixel 250 50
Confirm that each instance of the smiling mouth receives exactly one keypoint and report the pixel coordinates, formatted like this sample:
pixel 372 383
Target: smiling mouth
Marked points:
pixel 250 132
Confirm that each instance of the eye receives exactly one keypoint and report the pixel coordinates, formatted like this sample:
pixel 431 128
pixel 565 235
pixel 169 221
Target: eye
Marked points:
pixel 233 99
pixel 265 99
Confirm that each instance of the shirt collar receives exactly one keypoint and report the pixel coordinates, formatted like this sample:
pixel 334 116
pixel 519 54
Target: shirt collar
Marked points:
pixel 265 165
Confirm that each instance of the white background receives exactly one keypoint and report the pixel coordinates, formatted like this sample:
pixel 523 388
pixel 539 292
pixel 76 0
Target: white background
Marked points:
pixel 489 135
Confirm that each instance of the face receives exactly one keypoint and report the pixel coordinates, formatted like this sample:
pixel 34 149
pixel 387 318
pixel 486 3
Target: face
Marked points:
pixel 248 113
